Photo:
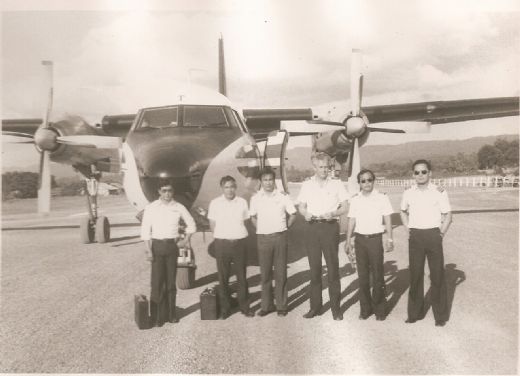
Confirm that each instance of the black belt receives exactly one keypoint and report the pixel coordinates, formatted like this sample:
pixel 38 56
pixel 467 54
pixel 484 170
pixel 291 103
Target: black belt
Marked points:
pixel 368 236
pixel 323 221
pixel 169 240
pixel 425 229
pixel 230 240
pixel 274 233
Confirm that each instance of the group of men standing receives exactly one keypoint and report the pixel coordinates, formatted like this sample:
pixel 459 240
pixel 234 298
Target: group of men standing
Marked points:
pixel 425 212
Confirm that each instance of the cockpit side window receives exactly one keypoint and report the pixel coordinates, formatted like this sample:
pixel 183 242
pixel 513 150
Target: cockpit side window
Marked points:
pixel 159 118
pixel 238 119
pixel 204 116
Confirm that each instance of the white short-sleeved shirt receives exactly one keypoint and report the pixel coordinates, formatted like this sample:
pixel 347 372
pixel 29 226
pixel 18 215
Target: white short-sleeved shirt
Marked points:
pixel 368 211
pixel 161 220
pixel 323 197
pixel 229 217
pixel 425 206
pixel 270 210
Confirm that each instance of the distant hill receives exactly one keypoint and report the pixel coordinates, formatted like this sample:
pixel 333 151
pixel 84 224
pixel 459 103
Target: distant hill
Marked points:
pixel 300 157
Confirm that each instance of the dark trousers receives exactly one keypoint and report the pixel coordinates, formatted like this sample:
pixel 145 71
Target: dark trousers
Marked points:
pixel 427 244
pixel 272 251
pixel 323 237
pixel 163 279
pixel 227 252
pixel 369 259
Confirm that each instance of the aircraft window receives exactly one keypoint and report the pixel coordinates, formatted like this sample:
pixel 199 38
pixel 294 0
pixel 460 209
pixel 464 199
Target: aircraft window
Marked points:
pixel 238 119
pixel 204 116
pixel 159 118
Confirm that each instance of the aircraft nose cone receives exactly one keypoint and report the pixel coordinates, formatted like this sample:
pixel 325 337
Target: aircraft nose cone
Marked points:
pixel 45 139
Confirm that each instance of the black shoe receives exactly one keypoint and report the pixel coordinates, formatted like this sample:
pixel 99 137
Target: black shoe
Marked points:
pixel 440 322
pixel 248 313
pixel 310 314
pixel 173 320
pixel 224 315
pixel 338 316
pixel 410 321
pixel 263 313
pixel 364 317
pixel 380 318
pixel 282 313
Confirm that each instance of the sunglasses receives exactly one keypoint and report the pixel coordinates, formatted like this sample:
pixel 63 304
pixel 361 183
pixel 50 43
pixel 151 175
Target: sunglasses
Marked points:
pixel 423 172
pixel 366 180
pixel 166 190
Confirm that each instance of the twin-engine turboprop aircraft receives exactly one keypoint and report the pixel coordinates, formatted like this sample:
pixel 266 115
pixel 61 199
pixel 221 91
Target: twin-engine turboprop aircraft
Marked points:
pixel 196 139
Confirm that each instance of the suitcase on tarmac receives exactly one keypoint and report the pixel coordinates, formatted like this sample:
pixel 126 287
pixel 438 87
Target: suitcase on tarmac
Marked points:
pixel 141 311
pixel 209 309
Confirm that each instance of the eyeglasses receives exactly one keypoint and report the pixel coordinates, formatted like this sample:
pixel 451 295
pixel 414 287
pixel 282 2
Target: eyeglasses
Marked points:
pixel 366 180
pixel 424 172
pixel 166 190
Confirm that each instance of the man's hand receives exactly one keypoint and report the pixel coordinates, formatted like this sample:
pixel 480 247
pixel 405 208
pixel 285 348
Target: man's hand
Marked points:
pixel 149 255
pixel 389 245
pixel 349 250
pixel 183 243
pixel 308 216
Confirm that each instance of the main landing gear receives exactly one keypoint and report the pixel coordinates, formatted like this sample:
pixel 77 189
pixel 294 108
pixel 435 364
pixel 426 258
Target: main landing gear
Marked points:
pixel 94 227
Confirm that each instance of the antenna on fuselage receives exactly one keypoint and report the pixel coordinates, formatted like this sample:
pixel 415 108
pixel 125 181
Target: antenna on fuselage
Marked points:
pixel 222 87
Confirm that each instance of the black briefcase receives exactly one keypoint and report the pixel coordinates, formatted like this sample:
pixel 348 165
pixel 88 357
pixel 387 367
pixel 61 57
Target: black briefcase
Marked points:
pixel 142 315
pixel 209 309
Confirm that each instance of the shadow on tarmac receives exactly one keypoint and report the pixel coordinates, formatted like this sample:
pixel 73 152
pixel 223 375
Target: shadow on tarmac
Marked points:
pixel 454 277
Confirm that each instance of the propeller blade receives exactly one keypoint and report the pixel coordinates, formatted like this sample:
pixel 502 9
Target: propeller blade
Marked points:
pixel 17 134
pixel 44 190
pixel 101 142
pixel 311 126
pixel 356 82
pixel 48 68
pixel 326 122
pixel 403 127
pixel 222 84
pixel 355 167
pixel 16 140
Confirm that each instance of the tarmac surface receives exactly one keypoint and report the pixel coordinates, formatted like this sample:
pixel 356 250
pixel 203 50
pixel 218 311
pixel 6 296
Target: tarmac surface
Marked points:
pixel 67 307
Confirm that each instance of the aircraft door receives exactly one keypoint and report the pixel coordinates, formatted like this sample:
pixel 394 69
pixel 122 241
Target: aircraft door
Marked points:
pixel 274 156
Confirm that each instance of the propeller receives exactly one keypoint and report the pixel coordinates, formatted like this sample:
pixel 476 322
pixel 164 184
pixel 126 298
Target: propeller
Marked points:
pixel 354 162
pixel 44 190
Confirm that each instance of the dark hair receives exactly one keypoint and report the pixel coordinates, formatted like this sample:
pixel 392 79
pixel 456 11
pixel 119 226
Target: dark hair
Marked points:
pixel 227 178
pixel 365 171
pixel 266 171
pixel 163 183
pixel 422 161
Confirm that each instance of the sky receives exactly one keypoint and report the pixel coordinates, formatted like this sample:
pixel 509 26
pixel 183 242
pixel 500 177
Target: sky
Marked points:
pixel 114 57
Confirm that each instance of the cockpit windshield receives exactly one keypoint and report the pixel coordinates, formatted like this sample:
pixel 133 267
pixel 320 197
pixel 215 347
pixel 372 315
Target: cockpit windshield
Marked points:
pixel 204 116
pixel 159 117
pixel 190 116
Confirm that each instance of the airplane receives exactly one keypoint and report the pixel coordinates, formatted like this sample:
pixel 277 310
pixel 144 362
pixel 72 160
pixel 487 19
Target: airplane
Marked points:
pixel 198 138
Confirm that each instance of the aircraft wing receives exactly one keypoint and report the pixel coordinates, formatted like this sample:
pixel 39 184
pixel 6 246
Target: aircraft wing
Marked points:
pixel 262 121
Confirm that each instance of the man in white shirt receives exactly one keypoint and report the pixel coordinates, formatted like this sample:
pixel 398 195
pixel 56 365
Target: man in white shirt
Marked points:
pixel 368 209
pixel 321 201
pixel 426 212
pixel 227 214
pixel 160 232
pixel 269 209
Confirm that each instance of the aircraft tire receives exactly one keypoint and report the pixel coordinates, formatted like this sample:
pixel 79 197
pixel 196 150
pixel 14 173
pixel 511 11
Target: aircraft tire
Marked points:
pixel 102 230
pixel 185 277
pixel 86 231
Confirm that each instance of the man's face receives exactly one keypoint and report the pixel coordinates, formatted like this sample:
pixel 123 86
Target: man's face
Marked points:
pixel 366 182
pixel 229 189
pixel 421 174
pixel 321 167
pixel 166 193
pixel 267 182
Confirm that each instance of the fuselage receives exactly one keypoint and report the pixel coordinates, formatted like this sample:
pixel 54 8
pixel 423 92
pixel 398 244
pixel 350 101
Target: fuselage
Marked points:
pixel 193 146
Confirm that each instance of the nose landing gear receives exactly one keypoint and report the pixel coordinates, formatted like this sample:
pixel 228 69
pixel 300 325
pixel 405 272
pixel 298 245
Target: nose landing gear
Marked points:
pixel 94 227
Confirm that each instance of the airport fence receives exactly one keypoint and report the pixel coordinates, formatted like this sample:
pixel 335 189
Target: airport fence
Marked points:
pixel 463 181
